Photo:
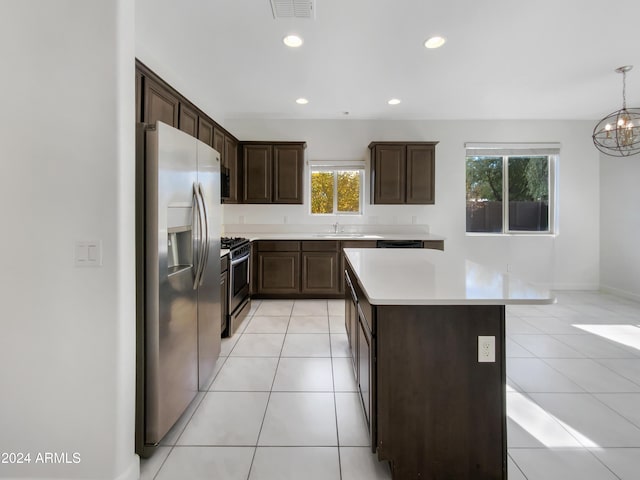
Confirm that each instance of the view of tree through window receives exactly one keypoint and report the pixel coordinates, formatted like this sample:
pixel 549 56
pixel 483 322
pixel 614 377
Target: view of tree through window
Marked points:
pixel 336 191
pixel 526 191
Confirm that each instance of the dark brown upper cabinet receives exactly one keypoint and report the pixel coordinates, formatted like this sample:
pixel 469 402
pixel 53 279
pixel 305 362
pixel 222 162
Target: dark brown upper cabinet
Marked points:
pixel 218 141
pixel 188 120
pixel 256 165
pixel 205 131
pixel 272 172
pixel 227 146
pixel 157 100
pixel 403 172
pixel 232 193
pixel 159 103
pixel 138 96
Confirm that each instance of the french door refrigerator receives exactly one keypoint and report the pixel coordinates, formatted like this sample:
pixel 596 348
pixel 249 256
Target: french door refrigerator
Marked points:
pixel 178 223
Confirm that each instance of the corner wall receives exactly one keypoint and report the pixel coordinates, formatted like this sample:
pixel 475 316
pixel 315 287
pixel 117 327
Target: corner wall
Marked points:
pixel 568 260
pixel 67 346
pixel 620 225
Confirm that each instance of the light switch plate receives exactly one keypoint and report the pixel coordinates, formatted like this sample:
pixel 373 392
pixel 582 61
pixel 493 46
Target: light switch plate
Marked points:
pixel 486 349
pixel 88 253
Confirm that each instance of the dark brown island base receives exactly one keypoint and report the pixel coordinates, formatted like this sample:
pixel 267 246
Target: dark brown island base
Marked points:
pixel 427 337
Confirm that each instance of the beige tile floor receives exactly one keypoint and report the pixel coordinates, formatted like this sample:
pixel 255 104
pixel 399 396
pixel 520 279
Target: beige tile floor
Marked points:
pixel 284 404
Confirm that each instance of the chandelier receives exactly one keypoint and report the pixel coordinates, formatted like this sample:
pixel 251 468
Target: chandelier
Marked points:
pixel 618 134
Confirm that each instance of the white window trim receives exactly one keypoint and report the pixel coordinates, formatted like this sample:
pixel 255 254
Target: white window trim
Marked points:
pixel 505 150
pixel 336 166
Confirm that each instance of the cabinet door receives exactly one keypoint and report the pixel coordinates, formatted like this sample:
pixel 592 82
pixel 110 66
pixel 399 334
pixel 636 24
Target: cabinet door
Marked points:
pixel 138 97
pixel 320 272
pixel 278 272
pixel 420 174
pixel 205 131
pixel 188 120
pixel 364 365
pixel 256 166
pixel 351 322
pixel 389 169
pixel 231 160
pixel 218 144
pixel 159 104
pixel 287 173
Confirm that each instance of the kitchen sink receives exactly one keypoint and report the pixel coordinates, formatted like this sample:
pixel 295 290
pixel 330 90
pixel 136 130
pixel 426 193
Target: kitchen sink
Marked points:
pixel 346 235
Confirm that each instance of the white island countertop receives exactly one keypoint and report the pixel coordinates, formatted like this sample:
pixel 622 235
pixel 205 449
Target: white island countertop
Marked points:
pixel 431 277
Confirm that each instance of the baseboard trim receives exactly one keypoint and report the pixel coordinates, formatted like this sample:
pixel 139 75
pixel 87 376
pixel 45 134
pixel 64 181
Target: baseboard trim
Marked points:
pixel 620 293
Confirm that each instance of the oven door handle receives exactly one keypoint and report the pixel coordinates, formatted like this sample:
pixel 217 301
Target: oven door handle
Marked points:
pixel 236 261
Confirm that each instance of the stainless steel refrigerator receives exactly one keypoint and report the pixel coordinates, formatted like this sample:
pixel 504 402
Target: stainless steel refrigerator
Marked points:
pixel 178 223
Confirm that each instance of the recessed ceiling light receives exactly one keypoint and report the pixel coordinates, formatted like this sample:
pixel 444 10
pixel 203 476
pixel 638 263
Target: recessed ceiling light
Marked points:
pixel 434 42
pixel 292 41
pixel 302 101
pixel 394 101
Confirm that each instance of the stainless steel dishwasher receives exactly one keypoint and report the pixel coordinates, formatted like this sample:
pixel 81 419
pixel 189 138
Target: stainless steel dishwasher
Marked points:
pixel 399 244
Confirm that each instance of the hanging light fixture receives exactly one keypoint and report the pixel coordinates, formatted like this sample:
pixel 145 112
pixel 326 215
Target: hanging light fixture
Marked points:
pixel 618 134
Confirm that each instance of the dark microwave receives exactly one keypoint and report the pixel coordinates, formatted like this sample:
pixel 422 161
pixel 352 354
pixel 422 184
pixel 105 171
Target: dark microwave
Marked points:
pixel 225 181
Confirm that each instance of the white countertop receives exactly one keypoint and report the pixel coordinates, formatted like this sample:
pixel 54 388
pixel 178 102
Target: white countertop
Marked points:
pixel 334 236
pixel 223 252
pixel 432 277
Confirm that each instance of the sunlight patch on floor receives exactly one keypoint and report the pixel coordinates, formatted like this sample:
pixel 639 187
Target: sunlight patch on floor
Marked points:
pixel 628 335
pixel 543 426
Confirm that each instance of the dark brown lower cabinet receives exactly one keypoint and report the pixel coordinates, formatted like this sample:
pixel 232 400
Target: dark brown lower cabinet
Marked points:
pixel 320 263
pixel 433 410
pixel 350 322
pixel 364 366
pixel 318 271
pixel 296 269
pixel 278 273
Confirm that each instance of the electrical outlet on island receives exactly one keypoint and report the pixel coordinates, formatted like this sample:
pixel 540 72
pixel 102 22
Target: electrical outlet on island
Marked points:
pixel 486 349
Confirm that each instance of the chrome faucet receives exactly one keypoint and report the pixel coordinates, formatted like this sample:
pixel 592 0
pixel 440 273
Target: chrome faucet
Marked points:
pixel 335 227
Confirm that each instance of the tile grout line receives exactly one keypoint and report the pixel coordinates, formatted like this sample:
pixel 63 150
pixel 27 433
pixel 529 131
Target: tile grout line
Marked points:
pixel 516 464
pixel 335 402
pixel 266 408
pixel 187 422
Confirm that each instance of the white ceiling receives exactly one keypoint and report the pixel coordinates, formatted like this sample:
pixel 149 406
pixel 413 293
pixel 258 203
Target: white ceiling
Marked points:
pixel 504 59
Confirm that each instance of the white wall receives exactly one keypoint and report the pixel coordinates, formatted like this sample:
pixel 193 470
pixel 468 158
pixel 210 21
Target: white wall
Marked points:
pixel 620 225
pixel 67 340
pixel 566 260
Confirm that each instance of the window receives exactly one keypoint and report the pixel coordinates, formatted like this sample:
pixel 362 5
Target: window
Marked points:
pixel 336 190
pixel 510 189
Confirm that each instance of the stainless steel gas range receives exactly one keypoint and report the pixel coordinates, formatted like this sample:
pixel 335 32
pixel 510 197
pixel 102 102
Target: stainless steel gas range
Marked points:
pixel 239 276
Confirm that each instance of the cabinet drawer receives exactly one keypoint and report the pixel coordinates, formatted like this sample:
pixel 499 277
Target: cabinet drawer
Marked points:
pixel 278 246
pixel 320 246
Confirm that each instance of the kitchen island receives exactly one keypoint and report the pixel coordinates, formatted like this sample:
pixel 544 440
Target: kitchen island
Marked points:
pixel 427 336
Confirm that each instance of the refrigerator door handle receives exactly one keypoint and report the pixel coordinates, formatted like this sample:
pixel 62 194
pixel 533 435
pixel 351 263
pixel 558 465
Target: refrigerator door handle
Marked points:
pixel 199 260
pixel 207 237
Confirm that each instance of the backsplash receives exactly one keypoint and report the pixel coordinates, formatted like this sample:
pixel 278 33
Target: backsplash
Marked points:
pixel 299 216
pixel 238 229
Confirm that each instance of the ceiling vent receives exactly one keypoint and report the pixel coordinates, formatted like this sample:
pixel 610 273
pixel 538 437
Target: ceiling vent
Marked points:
pixel 293 8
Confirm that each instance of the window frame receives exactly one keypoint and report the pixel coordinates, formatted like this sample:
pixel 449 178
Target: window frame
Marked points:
pixel 551 151
pixel 335 168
